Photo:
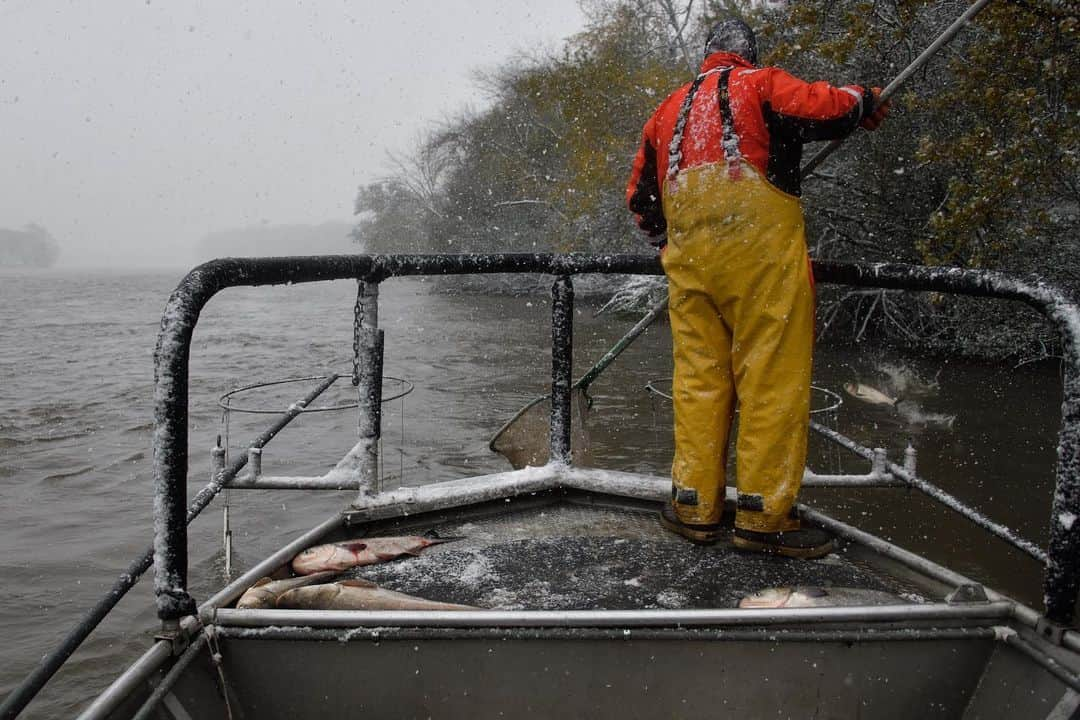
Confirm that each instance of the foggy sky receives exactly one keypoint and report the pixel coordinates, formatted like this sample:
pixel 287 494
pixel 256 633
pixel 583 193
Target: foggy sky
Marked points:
pixel 131 128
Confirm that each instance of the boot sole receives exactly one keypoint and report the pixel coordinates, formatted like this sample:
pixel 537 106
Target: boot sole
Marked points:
pixel 809 553
pixel 700 537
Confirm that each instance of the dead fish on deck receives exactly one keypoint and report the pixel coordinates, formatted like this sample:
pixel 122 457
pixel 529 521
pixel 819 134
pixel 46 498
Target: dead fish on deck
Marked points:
pixel 264 593
pixel 345 555
pixel 810 597
pixel 869 394
pixel 358 595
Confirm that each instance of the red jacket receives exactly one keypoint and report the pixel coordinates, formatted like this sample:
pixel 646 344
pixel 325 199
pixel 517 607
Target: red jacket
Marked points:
pixel 773 114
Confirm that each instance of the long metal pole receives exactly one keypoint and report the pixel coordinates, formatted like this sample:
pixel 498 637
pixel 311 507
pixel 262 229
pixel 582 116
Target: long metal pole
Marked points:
pixel 624 342
pixel 898 82
pixel 21 696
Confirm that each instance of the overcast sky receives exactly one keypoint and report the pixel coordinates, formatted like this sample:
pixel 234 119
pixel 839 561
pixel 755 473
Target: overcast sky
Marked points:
pixel 131 128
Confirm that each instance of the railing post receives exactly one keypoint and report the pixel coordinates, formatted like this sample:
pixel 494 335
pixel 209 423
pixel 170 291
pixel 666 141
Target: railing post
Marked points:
pixel 877 462
pixel 910 458
pixel 254 464
pixel 1062 582
pixel 170 486
pixel 562 361
pixel 369 371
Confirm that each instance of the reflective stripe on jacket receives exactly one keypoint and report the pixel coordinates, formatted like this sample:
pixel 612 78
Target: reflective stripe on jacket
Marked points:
pixel 774 114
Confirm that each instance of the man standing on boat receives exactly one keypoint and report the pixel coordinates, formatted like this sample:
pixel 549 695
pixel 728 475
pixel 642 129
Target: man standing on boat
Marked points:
pixel 718 173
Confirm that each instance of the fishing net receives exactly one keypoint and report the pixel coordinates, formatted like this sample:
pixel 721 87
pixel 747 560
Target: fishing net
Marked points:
pixel 524 439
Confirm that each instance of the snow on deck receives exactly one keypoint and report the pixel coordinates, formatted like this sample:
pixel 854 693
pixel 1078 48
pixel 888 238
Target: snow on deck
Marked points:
pixel 572 557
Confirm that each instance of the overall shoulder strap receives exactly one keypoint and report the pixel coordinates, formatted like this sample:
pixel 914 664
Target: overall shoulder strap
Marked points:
pixel 730 139
pixel 675 148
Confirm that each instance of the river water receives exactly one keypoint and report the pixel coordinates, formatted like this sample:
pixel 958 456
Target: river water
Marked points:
pixel 76 381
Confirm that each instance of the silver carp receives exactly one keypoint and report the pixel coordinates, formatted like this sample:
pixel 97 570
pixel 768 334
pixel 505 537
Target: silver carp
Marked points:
pixel 869 394
pixel 358 595
pixel 810 597
pixel 345 555
pixel 909 410
pixel 264 593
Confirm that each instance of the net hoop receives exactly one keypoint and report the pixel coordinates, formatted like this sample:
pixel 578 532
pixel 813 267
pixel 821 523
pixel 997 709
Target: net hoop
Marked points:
pixel 404 387
pixel 662 388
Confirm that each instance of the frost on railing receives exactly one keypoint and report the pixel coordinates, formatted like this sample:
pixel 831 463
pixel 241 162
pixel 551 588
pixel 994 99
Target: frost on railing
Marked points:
pixel 1063 565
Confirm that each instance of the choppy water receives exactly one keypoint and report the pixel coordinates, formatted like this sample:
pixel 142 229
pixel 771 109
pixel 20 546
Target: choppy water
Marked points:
pixel 75 419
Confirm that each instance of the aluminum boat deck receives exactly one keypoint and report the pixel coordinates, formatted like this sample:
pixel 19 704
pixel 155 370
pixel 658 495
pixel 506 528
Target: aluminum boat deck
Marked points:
pixel 591 609
pixel 574 554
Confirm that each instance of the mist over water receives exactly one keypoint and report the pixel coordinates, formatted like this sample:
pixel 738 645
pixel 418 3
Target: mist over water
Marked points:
pixel 76 383
pixel 131 130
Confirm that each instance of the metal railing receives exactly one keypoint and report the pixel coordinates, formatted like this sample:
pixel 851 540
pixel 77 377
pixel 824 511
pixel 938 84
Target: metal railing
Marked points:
pixel 1062 579
pixel 172 512
pixel 885 473
pixel 170 414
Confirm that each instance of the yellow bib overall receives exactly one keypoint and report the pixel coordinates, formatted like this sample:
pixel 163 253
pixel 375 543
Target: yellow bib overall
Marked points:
pixel 742 324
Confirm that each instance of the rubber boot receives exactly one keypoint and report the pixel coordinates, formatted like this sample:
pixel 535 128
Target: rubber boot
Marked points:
pixel 700 533
pixel 802 543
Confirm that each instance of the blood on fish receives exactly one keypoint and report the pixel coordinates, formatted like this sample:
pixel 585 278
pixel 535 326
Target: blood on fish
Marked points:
pixel 355 553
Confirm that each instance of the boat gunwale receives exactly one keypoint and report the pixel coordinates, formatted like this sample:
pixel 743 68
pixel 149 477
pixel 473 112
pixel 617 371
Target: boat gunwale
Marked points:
pixel 844 633
pixel 997 610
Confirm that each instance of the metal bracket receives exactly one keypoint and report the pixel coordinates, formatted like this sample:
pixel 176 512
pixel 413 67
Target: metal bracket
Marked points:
pixel 1050 631
pixel 967 593
pixel 172 633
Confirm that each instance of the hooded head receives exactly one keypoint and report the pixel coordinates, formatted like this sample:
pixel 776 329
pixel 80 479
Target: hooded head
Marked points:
pixel 734 36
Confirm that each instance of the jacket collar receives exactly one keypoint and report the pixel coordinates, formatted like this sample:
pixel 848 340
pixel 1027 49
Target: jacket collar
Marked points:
pixel 722 59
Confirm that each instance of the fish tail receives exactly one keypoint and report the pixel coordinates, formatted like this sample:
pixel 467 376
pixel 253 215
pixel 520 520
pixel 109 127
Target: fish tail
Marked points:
pixel 435 538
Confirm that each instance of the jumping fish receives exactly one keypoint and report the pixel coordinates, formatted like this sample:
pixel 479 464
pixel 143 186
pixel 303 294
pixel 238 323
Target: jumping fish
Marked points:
pixel 869 394
pixel 264 593
pixel 358 595
pixel 810 597
pixel 344 555
pixel 909 410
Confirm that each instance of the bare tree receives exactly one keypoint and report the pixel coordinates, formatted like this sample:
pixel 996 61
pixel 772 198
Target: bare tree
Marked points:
pixel 674 18
pixel 422 172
